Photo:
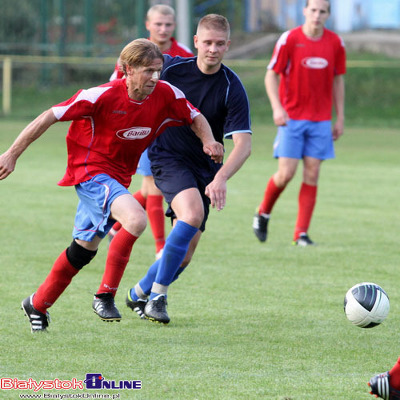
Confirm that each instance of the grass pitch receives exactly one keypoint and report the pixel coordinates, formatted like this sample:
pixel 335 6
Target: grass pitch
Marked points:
pixel 248 320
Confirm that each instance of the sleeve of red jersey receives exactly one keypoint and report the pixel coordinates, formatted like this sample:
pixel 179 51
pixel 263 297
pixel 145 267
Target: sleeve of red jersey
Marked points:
pixel 117 73
pixel 340 62
pixel 280 55
pixel 79 105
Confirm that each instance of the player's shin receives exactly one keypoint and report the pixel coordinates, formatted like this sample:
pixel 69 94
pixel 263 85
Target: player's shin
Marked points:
pixel 176 247
pixel 64 269
pixel 118 255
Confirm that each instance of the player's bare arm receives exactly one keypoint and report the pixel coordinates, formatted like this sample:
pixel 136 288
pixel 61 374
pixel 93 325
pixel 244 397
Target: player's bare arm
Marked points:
pixel 272 87
pixel 338 102
pixel 202 129
pixel 216 190
pixel 29 134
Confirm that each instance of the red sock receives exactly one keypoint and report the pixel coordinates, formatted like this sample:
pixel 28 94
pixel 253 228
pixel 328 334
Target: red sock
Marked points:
pixel 155 211
pixel 116 227
pixel 118 255
pixel 395 375
pixel 307 199
pixel 271 194
pixel 59 278
pixel 140 198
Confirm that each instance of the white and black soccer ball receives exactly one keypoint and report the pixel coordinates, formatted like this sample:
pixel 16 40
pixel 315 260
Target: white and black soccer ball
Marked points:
pixel 366 305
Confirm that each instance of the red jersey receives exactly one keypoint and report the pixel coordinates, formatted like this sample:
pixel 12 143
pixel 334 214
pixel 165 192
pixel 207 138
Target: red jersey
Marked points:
pixel 176 49
pixel 110 131
pixel 307 68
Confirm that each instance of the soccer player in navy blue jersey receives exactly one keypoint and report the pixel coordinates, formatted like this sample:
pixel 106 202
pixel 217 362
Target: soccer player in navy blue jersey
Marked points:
pixel 188 181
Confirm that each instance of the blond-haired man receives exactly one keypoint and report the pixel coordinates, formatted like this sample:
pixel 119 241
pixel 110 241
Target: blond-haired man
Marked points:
pixel 111 126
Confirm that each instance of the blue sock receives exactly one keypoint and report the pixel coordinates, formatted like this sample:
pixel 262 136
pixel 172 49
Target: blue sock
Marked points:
pixel 147 281
pixel 133 294
pixel 175 249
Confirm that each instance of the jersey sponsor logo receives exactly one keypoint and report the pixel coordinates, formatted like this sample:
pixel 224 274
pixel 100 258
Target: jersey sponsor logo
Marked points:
pixel 314 62
pixel 138 132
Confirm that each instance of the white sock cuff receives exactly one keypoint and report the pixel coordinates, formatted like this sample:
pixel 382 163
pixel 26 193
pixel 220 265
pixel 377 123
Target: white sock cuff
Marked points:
pixel 158 288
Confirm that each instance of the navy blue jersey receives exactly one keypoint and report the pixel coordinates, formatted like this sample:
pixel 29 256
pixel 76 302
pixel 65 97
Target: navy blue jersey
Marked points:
pixel 220 97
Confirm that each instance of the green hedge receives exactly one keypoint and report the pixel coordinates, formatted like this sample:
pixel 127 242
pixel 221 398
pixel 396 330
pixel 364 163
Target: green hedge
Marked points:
pixel 372 89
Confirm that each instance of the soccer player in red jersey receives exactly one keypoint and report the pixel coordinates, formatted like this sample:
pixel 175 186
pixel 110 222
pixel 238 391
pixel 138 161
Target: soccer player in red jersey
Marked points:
pixel 111 126
pixel 161 24
pixel 304 78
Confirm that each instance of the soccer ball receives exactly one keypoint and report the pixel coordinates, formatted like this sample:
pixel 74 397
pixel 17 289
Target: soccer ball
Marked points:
pixel 366 305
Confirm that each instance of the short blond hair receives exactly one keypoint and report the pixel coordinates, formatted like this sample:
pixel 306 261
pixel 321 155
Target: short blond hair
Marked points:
pixel 329 5
pixel 215 21
pixel 139 53
pixel 162 9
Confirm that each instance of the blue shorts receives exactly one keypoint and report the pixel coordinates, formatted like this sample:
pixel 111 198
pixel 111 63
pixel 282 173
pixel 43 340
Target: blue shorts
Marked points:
pixel 144 165
pixel 93 213
pixel 174 176
pixel 300 138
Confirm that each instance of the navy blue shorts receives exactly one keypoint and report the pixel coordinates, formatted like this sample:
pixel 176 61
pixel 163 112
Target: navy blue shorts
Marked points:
pixel 174 176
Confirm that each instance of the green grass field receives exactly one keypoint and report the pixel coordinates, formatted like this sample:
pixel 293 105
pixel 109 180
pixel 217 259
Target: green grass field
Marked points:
pixel 248 320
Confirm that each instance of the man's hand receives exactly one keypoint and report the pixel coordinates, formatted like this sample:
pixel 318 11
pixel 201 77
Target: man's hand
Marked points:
pixel 215 150
pixel 280 116
pixel 216 191
pixel 7 165
pixel 337 130
pixel 202 129
pixel 28 135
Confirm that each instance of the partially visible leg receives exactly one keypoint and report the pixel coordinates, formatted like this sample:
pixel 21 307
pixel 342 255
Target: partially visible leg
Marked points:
pixel 395 375
pixel 141 199
pixel 307 196
pixel 143 288
pixel 155 212
pixel 277 183
pixel 387 384
pixel 189 209
pixel 67 265
pixel 133 219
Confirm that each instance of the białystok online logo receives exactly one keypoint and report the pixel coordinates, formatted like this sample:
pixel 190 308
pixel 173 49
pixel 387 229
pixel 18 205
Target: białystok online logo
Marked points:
pixel 92 381
pixel 96 381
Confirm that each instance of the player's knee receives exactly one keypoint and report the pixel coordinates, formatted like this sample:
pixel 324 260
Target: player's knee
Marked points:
pixel 135 223
pixel 284 177
pixel 311 177
pixel 78 256
pixel 193 217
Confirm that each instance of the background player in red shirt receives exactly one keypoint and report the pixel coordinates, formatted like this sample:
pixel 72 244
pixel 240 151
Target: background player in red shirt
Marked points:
pixel 303 76
pixel 111 126
pixel 161 24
